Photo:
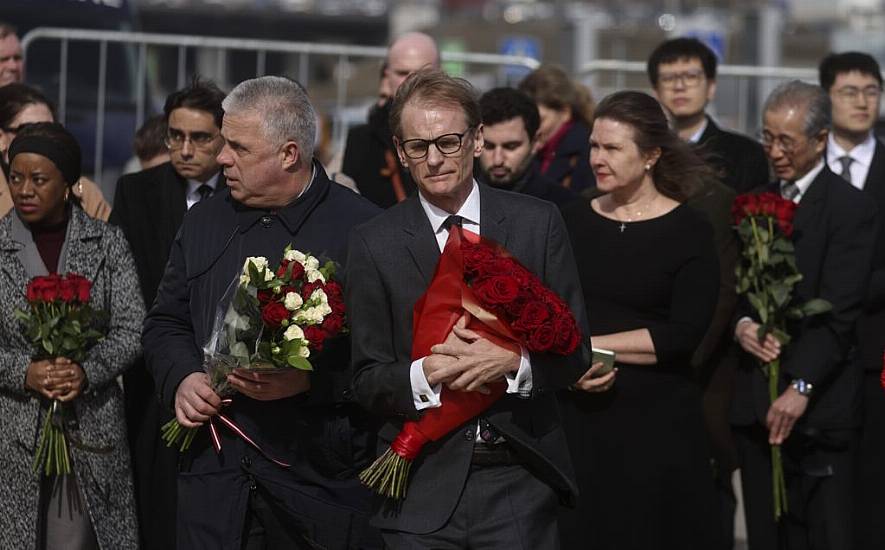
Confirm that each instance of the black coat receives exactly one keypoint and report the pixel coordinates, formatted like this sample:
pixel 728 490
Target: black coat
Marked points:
pixel 871 325
pixel 149 207
pixel 739 161
pixel 834 233
pixel 532 183
pixel 570 167
pixel 315 432
pixel 370 159
pixel 391 261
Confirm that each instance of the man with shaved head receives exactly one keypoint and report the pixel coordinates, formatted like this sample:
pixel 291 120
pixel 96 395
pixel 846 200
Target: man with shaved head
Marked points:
pixel 369 156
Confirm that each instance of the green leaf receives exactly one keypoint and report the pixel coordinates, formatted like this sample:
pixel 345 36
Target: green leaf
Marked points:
pixel 47 345
pixel 759 306
pixel 780 293
pixel 815 306
pixel 781 336
pixel 299 362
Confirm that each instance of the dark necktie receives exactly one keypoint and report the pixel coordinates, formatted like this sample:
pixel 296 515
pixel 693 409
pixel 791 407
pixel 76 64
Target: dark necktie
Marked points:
pixel 453 219
pixel 846 161
pixel 790 190
pixel 205 191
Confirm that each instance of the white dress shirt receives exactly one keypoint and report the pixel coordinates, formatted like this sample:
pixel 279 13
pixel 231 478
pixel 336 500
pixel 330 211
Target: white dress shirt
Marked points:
pixel 861 157
pixel 424 395
pixel 696 137
pixel 193 195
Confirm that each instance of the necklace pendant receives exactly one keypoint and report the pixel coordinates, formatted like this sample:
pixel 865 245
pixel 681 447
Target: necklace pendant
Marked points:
pixel 623 227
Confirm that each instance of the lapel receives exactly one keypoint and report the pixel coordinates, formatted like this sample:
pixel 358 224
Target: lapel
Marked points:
pixel 176 197
pixel 809 207
pixel 492 214
pixel 710 132
pixel 10 249
pixel 83 245
pixel 875 182
pixel 420 240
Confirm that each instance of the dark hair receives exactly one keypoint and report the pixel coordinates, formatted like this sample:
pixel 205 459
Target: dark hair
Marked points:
pixel 679 172
pixel 58 145
pixel 150 138
pixel 15 97
pixel 835 64
pixel 434 87
pixel 202 95
pixel 552 87
pixel 503 104
pixel 677 49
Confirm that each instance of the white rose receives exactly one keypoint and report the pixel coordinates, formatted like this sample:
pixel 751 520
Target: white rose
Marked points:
pixel 310 315
pixel 304 352
pixel 314 275
pixel 292 301
pixel 318 296
pixel 260 262
pixel 294 332
pixel 324 309
pixel 311 263
pixel 295 256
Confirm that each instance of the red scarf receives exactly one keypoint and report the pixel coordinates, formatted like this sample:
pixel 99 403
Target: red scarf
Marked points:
pixel 548 151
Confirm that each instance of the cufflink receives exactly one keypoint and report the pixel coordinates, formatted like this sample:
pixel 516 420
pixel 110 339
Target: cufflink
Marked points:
pixel 424 398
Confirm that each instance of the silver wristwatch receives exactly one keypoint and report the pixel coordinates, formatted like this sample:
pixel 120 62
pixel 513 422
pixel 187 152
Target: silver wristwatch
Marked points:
pixel 803 387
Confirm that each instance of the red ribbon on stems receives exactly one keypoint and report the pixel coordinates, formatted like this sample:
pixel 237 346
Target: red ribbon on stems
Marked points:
pixel 446 300
pixel 232 426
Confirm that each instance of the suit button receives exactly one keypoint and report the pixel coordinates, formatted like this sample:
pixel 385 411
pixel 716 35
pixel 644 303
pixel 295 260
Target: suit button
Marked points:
pixel 347 394
pixel 266 221
pixel 468 435
pixel 246 461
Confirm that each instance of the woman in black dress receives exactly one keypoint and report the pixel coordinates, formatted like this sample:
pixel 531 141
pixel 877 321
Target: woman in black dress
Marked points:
pixel 650 275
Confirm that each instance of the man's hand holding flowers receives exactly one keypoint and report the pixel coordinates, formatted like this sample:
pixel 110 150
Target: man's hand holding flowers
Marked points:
pixel 195 401
pixel 472 361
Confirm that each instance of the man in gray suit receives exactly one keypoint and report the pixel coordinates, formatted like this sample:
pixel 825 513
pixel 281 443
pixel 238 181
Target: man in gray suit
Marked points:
pixel 496 487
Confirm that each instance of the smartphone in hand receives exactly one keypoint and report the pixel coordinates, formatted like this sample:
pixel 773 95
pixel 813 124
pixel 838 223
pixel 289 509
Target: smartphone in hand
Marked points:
pixel 604 356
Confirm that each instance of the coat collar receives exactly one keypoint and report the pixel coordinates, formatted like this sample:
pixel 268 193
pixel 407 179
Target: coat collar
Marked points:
pixel 293 215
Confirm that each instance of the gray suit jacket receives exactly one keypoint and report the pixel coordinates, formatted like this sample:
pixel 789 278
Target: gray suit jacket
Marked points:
pixel 391 260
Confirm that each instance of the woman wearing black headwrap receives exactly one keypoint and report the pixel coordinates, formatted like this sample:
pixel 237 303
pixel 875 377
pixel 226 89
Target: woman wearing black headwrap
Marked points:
pixel 47 232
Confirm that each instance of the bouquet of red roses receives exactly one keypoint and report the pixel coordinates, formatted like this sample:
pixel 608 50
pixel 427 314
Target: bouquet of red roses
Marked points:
pixel 269 319
pixel 59 322
pixel 507 304
pixel 766 275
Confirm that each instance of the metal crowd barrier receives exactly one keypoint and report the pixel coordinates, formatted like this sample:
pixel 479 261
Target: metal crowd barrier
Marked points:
pixel 304 50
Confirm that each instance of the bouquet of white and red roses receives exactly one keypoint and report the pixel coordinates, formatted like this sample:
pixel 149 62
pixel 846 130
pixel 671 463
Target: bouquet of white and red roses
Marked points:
pixel 59 322
pixel 507 304
pixel 269 319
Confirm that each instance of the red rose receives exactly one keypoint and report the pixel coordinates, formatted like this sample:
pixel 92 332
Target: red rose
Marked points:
pixel 785 210
pixel 50 288
pixel 542 339
pixel 273 315
pixel 308 289
pixel 498 289
pixel 567 335
pixel 316 336
pixel 284 267
pixel 533 315
pixel 297 271
pixel 498 266
pixel 266 296
pixel 475 255
pixel 84 289
pixel 333 323
pixel 67 290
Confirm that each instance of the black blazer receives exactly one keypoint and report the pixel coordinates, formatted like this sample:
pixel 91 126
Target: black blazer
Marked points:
pixel 391 260
pixel 834 235
pixel 871 325
pixel 149 207
pixel 739 161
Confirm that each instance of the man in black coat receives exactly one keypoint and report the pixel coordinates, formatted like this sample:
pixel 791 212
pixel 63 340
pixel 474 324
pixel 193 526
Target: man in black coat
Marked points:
pixel 815 417
pixel 149 207
pixel 682 72
pixel 277 196
pixel 510 123
pixel 853 81
pixel 369 155
pixel 469 489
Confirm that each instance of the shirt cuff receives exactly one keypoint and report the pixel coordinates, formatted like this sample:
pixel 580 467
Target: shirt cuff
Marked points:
pixel 520 382
pixel 423 395
pixel 740 321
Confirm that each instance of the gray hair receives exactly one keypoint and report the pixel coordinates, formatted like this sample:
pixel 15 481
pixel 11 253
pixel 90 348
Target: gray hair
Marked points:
pixel 798 94
pixel 284 108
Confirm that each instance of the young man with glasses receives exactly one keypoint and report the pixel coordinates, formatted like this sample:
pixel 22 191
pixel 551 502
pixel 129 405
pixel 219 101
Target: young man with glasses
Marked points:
pixel 814 419
pixel 854 82
pixel 682 72
pixel 149 206
pixel 470 489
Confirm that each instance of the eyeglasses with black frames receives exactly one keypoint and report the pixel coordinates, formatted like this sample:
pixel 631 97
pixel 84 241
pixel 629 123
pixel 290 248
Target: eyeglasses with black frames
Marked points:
pixel 447 144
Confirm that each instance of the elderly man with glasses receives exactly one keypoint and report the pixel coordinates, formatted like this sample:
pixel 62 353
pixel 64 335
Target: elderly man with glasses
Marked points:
pixel 149 206
pixel 815 417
